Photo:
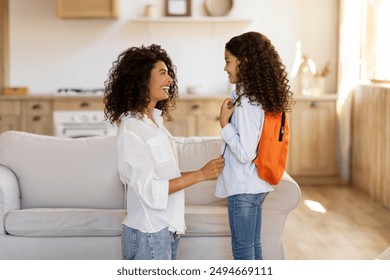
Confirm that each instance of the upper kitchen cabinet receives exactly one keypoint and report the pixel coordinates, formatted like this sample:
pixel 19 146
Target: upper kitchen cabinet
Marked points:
pixel 87 8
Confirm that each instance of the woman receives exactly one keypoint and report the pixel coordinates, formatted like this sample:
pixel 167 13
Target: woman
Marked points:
pixel 254 66
pixel 140 91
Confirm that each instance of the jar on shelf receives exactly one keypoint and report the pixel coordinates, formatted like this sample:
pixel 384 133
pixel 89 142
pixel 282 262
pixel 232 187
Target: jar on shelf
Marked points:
pixel 307 73
pixel 303 73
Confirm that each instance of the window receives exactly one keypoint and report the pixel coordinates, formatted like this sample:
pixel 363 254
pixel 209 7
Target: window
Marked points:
pixel 376 41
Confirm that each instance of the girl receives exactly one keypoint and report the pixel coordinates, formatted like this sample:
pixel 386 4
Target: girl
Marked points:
pixel 140 90
pixel 254 66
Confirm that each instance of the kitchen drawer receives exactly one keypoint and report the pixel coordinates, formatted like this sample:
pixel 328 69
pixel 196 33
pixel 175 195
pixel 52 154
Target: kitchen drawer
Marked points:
pixel 9 108
pixel 212 107
pixel 196 116
pixel 197 108
pixel 36 107
pixel 187 108
pixel 78 105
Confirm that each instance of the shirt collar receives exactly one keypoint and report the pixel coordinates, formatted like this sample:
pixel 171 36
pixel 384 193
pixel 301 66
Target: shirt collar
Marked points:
pixel 157 117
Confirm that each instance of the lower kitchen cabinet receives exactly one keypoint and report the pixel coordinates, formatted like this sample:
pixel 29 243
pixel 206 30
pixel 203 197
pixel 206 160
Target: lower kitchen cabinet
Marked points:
pixel 34 114
pixel 9 115
pixel 196 116
pixel 77 105
pixel 37 117
pixel 313 142
pixel 9 123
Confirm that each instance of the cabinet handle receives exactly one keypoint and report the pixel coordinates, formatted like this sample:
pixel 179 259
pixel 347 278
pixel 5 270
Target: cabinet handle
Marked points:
pixel 36 118
pixel 84 104
pixel 36 106
pixel 195 107
pixel 314 104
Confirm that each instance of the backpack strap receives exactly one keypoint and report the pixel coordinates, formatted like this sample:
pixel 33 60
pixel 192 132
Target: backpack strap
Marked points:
pixel 281 131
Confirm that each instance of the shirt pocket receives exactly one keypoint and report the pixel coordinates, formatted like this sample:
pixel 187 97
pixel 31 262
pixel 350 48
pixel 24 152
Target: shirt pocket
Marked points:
pixel 160 149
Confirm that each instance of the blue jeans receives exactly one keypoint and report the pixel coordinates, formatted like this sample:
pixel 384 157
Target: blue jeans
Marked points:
pixel 137 245
pixel 245 212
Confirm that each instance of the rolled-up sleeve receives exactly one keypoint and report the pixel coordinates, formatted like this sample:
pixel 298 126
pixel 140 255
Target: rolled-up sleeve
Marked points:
pixel 137 170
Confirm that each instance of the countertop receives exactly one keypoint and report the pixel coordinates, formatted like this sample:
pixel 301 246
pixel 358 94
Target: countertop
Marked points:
pixel 189 97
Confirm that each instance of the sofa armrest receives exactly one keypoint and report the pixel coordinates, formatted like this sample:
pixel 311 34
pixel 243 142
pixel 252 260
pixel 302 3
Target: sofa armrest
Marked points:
pixel 9 194
pixel 287 193
pixel 279 203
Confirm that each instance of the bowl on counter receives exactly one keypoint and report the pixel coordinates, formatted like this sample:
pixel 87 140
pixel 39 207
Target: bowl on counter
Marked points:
pixel 195 90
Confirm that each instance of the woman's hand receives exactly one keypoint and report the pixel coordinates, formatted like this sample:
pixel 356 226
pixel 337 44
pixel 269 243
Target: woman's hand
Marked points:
pixel 212 169
pixel 227 110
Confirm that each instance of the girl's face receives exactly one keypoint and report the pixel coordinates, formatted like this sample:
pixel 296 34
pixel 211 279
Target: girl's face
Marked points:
pixel 159 82
pixel 231 67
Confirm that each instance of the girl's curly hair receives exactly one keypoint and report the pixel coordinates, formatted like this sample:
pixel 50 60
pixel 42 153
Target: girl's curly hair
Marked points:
pixel 127 87
pixel 261 73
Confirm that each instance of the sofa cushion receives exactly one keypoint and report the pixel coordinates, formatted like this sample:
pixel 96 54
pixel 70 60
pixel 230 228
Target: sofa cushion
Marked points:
pixel 204 220
pixel 63 172
pixel 64 222
pixel 194 153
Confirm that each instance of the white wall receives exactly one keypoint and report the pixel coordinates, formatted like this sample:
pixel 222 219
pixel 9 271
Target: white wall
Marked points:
pixel 47 52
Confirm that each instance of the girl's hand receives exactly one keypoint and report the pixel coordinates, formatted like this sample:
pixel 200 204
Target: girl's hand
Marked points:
pixel 227 110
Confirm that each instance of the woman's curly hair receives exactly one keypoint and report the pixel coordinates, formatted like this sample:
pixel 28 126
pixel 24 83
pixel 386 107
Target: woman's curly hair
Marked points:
pixel 127 87
pixel 261 72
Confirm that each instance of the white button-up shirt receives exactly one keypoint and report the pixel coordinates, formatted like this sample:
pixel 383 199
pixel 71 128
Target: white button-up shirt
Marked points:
pixel 242 135
pixel 147 160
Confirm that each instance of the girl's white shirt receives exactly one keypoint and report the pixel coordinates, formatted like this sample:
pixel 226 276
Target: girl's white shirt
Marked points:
pixel 242 135
pixel 147 160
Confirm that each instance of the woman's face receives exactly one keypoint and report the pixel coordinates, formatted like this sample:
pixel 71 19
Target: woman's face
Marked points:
pixel 231 67
pixel 159 82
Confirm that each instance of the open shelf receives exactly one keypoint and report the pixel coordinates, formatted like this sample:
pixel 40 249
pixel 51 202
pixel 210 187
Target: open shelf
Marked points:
pixel 191 19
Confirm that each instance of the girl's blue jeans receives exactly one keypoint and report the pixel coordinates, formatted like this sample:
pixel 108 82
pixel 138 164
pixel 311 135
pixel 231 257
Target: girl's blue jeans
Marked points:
pixel 245 211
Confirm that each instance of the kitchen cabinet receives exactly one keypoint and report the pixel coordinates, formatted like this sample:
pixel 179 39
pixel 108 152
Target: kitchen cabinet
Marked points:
pixel 77 105
pixel 35 113
pixel 87 8
pixel 37 117
pixel 370 143
pixel 196 116
pixel 26 115
pixel 313 137
pixel 9 115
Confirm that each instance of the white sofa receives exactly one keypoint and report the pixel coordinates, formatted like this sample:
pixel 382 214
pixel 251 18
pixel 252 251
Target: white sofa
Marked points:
pixel 61 198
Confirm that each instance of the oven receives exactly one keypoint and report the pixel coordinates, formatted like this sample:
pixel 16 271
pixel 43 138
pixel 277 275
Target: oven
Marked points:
pixel 78 124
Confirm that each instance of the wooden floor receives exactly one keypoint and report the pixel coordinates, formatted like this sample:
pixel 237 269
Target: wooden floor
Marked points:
pixel 350 226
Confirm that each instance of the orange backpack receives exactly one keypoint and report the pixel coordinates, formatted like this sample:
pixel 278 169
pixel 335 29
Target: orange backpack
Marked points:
pixel 272 149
